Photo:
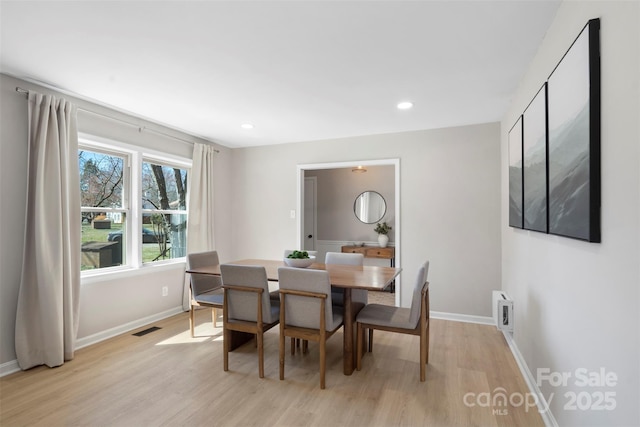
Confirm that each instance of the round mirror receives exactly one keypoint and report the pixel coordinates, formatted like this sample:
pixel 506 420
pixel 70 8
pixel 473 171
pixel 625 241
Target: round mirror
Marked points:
pixel 370 207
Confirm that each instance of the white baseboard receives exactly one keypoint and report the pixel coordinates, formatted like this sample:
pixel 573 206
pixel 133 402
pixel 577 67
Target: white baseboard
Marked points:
pixel 9 368
pixel 12 366
pixel 455 317
pixel 547 416
pixel 110 333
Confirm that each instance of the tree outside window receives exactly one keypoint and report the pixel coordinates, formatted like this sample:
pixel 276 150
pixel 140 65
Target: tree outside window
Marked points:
pixel 102 195
pixel 164 207
pixel 105 186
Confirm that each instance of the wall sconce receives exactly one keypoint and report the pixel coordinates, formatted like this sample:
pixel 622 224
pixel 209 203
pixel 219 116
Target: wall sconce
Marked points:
pixel 359 169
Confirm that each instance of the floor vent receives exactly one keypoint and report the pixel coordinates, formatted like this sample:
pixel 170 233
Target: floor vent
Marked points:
pixel 147 331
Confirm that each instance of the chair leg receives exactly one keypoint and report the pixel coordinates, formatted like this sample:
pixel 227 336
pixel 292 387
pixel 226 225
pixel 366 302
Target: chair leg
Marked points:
pixel 293 346
pixel 323 362
pixel 214 315
pixel 192 321
pixel 305 346
pixel 365 340
pixel 370 340
pixel 282 352
pixel 427 344
pixel 423 355
pixel 359 343
pixel 225 347
pixel 260 354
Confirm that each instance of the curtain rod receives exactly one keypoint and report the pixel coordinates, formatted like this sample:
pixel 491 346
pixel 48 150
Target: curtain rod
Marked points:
pixel 140 128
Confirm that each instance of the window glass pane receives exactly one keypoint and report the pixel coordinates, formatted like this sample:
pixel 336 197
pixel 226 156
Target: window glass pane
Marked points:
pixel 163 236
pixel 102 185
pixel 103 241
pixel 101 180
pixel 163 187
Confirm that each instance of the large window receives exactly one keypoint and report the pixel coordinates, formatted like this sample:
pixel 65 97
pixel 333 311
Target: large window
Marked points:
pixel 164 211
pixel 119 183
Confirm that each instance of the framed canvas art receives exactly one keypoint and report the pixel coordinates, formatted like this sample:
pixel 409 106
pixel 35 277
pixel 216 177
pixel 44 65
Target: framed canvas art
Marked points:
pixel 534 158
pixel 574 139
pixel 515 175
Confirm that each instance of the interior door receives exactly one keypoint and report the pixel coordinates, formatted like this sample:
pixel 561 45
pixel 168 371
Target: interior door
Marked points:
pixel 310 221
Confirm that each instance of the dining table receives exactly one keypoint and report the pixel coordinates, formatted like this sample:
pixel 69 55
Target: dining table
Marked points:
pixel 346 277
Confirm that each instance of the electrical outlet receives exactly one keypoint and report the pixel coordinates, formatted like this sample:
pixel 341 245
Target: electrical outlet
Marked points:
pixel 165 291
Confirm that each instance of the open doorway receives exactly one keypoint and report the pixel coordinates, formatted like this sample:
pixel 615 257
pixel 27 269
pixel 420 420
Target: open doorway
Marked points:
pixel 339 235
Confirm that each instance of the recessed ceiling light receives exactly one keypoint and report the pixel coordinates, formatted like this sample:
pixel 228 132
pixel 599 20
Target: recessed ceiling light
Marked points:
pixel 246 126
pixel 406 105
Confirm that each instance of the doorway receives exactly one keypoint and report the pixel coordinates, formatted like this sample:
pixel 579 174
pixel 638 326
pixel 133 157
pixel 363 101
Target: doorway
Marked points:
pixel 302 200
pixel 309 214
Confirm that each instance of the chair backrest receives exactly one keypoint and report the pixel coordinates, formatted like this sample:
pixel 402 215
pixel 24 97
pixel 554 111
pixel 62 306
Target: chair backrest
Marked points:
pixel 287 252
pixel 416 301
pixel 304 311
pixel 201 283
pixel 345 258
pixel 242 305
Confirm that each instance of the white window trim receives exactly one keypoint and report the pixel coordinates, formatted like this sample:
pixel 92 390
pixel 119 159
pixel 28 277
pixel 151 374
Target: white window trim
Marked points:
pixel 136 156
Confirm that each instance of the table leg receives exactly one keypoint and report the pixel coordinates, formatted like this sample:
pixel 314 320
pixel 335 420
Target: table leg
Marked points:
pixel 348 354
pixel 238 338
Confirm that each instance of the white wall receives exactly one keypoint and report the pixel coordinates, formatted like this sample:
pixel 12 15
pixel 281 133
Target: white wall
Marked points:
pixel 450 205
pixel 111 301
pixel 577 304
pixel 449 211
pixel 337 190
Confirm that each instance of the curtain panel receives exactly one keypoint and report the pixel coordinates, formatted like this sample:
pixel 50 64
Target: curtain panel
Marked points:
pixel 200 236
pixel 47 311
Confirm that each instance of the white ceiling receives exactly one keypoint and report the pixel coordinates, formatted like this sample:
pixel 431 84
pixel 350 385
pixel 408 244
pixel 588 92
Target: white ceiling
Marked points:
pixel 296 70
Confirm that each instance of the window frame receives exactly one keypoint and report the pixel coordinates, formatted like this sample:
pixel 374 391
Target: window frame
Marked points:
pixel 165 163
pixel 134 157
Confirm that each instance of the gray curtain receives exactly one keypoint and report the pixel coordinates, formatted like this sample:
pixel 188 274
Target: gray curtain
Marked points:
pixel 47 313
pixel 200 237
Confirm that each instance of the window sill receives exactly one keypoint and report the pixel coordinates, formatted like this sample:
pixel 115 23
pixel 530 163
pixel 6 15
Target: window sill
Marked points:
pixel 103 275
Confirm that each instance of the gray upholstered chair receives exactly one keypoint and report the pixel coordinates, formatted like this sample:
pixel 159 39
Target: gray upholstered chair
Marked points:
pixel 276 295
pixel 413 321
pixel 206 290
pixel 247 307
pixel 337 295
pixel 306 311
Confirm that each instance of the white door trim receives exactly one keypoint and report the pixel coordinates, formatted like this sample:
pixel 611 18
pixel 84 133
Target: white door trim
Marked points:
pixel 351 164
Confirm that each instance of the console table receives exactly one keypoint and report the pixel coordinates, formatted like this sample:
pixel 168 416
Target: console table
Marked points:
pixel 373 252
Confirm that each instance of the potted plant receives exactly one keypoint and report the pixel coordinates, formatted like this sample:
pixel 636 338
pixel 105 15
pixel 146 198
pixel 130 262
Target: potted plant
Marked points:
pixel 382 230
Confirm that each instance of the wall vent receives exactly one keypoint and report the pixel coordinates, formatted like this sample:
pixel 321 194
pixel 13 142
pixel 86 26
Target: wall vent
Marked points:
pixel 502 311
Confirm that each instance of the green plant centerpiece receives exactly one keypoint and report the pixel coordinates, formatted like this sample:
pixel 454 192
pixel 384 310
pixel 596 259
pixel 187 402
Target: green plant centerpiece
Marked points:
pixel 383 228
pixel 298 255
pixel 299 259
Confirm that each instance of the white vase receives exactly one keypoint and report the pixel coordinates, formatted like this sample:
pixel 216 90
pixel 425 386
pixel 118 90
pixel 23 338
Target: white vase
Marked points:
pixel 383 239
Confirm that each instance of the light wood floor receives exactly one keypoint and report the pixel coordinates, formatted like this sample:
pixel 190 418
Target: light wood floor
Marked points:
pixel 166 378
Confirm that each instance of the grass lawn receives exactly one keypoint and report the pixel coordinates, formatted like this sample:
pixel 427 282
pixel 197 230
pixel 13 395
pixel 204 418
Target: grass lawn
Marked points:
pixel 89 234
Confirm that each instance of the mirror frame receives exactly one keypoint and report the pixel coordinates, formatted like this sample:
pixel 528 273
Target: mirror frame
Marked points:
pixel 355 203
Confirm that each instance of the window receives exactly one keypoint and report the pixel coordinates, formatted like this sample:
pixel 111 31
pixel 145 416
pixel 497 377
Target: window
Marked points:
pixel 119 183
pixel 104 197
pixel 164 214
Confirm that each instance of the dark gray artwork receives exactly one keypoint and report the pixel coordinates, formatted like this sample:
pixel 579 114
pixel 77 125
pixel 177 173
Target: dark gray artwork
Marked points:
pixel 535 163
pixel 515 175
pixel 573 163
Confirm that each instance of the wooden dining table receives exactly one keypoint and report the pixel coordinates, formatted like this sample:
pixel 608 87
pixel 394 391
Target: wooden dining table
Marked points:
pixel 347 277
